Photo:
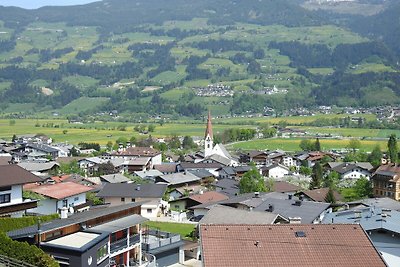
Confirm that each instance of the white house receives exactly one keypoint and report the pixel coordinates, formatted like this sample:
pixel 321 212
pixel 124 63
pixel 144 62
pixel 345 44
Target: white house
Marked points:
pixel 12 178
pixel 57 196
pixel 351 170
pixel 275 171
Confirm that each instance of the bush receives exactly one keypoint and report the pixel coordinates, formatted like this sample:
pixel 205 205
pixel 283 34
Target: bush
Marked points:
pixel 24 252
pixel 10 224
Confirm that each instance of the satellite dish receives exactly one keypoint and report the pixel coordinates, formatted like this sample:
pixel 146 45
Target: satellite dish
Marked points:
pixel 89 261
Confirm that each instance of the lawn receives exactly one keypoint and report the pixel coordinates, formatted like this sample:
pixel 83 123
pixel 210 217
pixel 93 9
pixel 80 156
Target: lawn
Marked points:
pixel 83 104
pixel 184 229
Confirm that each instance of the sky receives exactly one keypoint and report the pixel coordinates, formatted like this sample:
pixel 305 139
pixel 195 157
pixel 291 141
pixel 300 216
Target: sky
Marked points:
pixel 33 4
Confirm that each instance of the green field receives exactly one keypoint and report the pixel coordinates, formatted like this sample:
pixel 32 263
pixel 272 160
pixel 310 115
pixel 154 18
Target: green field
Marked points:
pixel 350 132
pixel 83 104
pixel 292 144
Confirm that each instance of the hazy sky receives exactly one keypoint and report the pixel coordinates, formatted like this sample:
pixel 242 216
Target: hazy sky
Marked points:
pixel 32 4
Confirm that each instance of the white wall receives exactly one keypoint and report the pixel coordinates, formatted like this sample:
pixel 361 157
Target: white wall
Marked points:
pixel 356 174
pixel 278 172
pixel 16 195
pixel 157 160
pixel 51 206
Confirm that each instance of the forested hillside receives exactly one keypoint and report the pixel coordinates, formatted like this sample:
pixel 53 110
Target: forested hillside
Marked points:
pixel 145 58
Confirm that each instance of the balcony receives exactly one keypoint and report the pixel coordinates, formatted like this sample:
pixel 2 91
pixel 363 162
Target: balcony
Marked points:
pixel 15 207
pixel 157 239
pixel 123 243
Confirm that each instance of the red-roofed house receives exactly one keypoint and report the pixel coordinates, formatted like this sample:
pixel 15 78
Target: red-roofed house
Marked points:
pixel 59 195
pixel 194 200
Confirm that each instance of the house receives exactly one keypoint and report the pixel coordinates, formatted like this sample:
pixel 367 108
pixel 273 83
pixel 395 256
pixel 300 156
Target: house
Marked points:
pixel 275 170
pixel 310 158
pixel 166 168
pixel 33 138
pixel 114 178
pixel 227 186
pixel 48 151
pixel 139 152
pixel 12 179
pixel 386 181
pixel 318 195
pixel 351 170
pixel 187 202
pixel 150 194
pixel 381 202
pixel 288 206
pixel 211 167
pixel 219 214
pixel 59 195
pixel 287 245
pixel 258 157
pixel 78 240
pixel 285 187
pixel 91 165
pixel 382 226
pixel 233 172
pixel 148 174
pixel 39 167
pixel 179 179
pixel 183 191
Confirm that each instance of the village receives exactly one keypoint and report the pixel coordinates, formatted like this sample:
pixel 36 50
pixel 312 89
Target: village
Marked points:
pixel 104 205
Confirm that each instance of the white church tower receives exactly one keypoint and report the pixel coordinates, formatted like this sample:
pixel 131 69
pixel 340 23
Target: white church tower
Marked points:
pixel 208 138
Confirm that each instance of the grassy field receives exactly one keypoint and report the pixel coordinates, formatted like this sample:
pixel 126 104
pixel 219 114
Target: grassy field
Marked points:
pixel 184 229
pixel 350 132
pixel 292 144
pixel 83 104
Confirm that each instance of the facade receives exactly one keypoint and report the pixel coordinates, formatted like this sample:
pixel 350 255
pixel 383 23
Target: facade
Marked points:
pixel 12 178
pixel 351 170
pixel 275 171
pixel 386 181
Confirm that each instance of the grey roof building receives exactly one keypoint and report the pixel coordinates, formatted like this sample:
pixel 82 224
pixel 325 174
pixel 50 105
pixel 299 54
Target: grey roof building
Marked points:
pixel 382 225
pixel 114 178
pixel 133 190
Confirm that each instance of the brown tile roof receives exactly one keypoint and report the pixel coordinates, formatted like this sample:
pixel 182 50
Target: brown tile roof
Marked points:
pixel 319 195
pixel 61 190
pixel 283 187
pixel 282 245
pixel 166 167
pixel 209 196
pixel 15 175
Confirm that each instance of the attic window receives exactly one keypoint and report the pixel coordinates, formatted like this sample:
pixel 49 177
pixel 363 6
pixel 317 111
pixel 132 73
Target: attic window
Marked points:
pixel 300 234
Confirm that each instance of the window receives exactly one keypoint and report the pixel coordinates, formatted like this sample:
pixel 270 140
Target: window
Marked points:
pixel 133 200
pixel 149 211
pixel 76 198
pixel 102 253
pixel 65 203
pixel 6 198
pixel 122 199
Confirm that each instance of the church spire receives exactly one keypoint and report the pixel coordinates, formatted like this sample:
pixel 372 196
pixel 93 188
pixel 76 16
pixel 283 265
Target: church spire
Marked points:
pixel 208 137
pixel 209 131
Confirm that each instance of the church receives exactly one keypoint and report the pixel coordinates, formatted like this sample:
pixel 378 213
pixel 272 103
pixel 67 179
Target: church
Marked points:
pixel 215 153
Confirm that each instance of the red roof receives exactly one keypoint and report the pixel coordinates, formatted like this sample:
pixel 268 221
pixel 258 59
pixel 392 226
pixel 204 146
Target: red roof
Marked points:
pixel 283 187
pixel 319 194
pixel 288 245
pixel 60 190
pixel 209 196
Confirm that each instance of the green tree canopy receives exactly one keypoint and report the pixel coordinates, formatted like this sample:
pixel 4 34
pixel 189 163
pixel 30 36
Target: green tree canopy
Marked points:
pixel 392 148
pixel 375 157
pixel 363 188
pixel 316 176
pixel 252 181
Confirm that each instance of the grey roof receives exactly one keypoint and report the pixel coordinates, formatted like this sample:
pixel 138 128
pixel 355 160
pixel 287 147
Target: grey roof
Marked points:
pixel 95 160
pixel 166 167
pixel 370 218
pixel 384 202
pixel 148 173
pixel 38 166
pixel 348 166
pixel 224 151
pixel 201 173
pixel 42 147
pixel 138 161
pixel 219 159
pixel 120 224
pixel 308 211
pixel 179 178
pixel 229 187
pixel 226 215
pixel 194 166
pixel 133 190
pixel 228 170
pixel 115 178
pixel 93 213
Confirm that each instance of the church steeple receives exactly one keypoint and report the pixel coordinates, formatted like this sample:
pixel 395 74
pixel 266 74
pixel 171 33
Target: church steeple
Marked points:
pixel 208 137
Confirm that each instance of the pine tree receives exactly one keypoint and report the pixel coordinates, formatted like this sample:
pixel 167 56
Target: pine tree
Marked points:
pixel 317 145
pixel 316 176
pixel 330 197
pixel 392 148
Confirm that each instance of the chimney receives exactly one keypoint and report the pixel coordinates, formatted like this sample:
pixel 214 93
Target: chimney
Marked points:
pixel 290 196
pixel 256 194
pixel 297 203
pixel 138 187
pixel 270 208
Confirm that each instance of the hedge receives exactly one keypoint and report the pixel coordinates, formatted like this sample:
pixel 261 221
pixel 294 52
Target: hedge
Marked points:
pixel 10 224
